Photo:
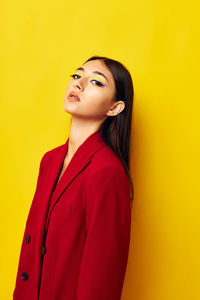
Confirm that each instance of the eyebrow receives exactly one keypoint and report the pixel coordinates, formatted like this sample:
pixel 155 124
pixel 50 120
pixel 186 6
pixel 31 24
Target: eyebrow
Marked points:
pixel 96 72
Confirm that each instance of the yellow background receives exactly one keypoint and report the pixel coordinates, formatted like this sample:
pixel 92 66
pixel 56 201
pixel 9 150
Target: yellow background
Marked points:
pixel 42 42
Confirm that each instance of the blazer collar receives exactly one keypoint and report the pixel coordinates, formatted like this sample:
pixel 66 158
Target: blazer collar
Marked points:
pixel 79 161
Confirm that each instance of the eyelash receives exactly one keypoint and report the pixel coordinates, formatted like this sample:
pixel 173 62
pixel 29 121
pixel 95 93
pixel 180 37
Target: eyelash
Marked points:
pixel 98 82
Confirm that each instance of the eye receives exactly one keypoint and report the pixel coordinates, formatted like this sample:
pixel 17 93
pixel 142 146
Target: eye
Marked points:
pixel 98 82
pixel 74 76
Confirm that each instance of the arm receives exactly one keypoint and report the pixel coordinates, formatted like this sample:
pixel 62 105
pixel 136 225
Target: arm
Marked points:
pixel 40 172
pixel 108 222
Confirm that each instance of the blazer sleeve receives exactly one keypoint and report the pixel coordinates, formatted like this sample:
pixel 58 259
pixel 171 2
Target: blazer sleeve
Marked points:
pixel 108 225
pixel 40 171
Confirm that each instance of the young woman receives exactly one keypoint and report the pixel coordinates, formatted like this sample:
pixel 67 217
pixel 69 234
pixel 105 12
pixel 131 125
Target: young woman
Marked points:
pixel 77 234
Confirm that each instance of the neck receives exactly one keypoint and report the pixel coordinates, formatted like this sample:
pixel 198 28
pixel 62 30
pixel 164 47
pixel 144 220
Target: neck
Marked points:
pixel 80 130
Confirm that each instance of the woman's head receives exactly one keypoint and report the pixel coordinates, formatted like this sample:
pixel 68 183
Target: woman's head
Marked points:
pixel 94 84
pixel 106 93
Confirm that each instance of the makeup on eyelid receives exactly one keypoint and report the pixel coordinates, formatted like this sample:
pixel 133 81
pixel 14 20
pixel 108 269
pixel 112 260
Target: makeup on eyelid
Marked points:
pixel 97 78
pixel 78 73
pixel 94 78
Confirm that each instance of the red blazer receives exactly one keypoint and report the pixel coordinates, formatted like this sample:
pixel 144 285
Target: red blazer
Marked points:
pixel 76 239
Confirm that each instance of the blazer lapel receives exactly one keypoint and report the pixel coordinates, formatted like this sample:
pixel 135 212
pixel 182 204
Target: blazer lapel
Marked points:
pixel 79 161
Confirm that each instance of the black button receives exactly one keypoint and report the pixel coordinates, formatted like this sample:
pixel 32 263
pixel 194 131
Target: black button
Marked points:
pixel 28 239
pixel 43 250
pixel 24 276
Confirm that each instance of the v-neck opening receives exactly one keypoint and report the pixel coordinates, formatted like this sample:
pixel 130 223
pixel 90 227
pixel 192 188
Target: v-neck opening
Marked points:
pixel 58 179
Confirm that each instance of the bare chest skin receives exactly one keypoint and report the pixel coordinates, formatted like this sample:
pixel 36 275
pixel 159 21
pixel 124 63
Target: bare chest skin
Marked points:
pixel 65 164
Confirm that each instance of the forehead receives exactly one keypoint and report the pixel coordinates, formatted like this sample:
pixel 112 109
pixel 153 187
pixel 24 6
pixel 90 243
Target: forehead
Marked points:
pixel 98 65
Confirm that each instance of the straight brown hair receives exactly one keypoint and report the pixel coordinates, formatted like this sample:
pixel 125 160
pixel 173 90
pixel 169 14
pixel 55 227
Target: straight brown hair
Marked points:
pixel 116 130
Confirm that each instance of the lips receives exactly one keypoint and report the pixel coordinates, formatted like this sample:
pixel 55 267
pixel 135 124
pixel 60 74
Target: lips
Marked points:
pixel 73 97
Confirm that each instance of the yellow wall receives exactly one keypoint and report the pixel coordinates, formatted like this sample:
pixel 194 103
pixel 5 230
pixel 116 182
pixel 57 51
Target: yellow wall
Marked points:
pixel 41 44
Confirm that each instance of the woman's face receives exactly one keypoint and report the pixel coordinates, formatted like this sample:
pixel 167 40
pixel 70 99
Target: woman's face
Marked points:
pixel 95 91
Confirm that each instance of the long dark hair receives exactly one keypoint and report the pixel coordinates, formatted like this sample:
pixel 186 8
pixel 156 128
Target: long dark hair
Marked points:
pixel 116 130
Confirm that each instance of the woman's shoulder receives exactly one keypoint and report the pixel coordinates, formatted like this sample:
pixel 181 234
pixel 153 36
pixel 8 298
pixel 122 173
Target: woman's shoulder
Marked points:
pixel 106 160
pixel 50 154
pixel 105 171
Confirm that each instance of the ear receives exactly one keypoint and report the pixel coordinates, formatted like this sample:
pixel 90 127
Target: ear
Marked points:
pixel 116 108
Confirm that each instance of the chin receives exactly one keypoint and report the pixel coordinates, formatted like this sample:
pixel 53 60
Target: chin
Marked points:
pixel 66 107
pixel 69 108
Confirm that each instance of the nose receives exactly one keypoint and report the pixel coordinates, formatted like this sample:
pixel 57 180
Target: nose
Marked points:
pixel 78 84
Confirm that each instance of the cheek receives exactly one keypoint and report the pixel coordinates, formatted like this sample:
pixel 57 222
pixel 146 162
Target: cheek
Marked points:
pixel 97 102
pixel 97 96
